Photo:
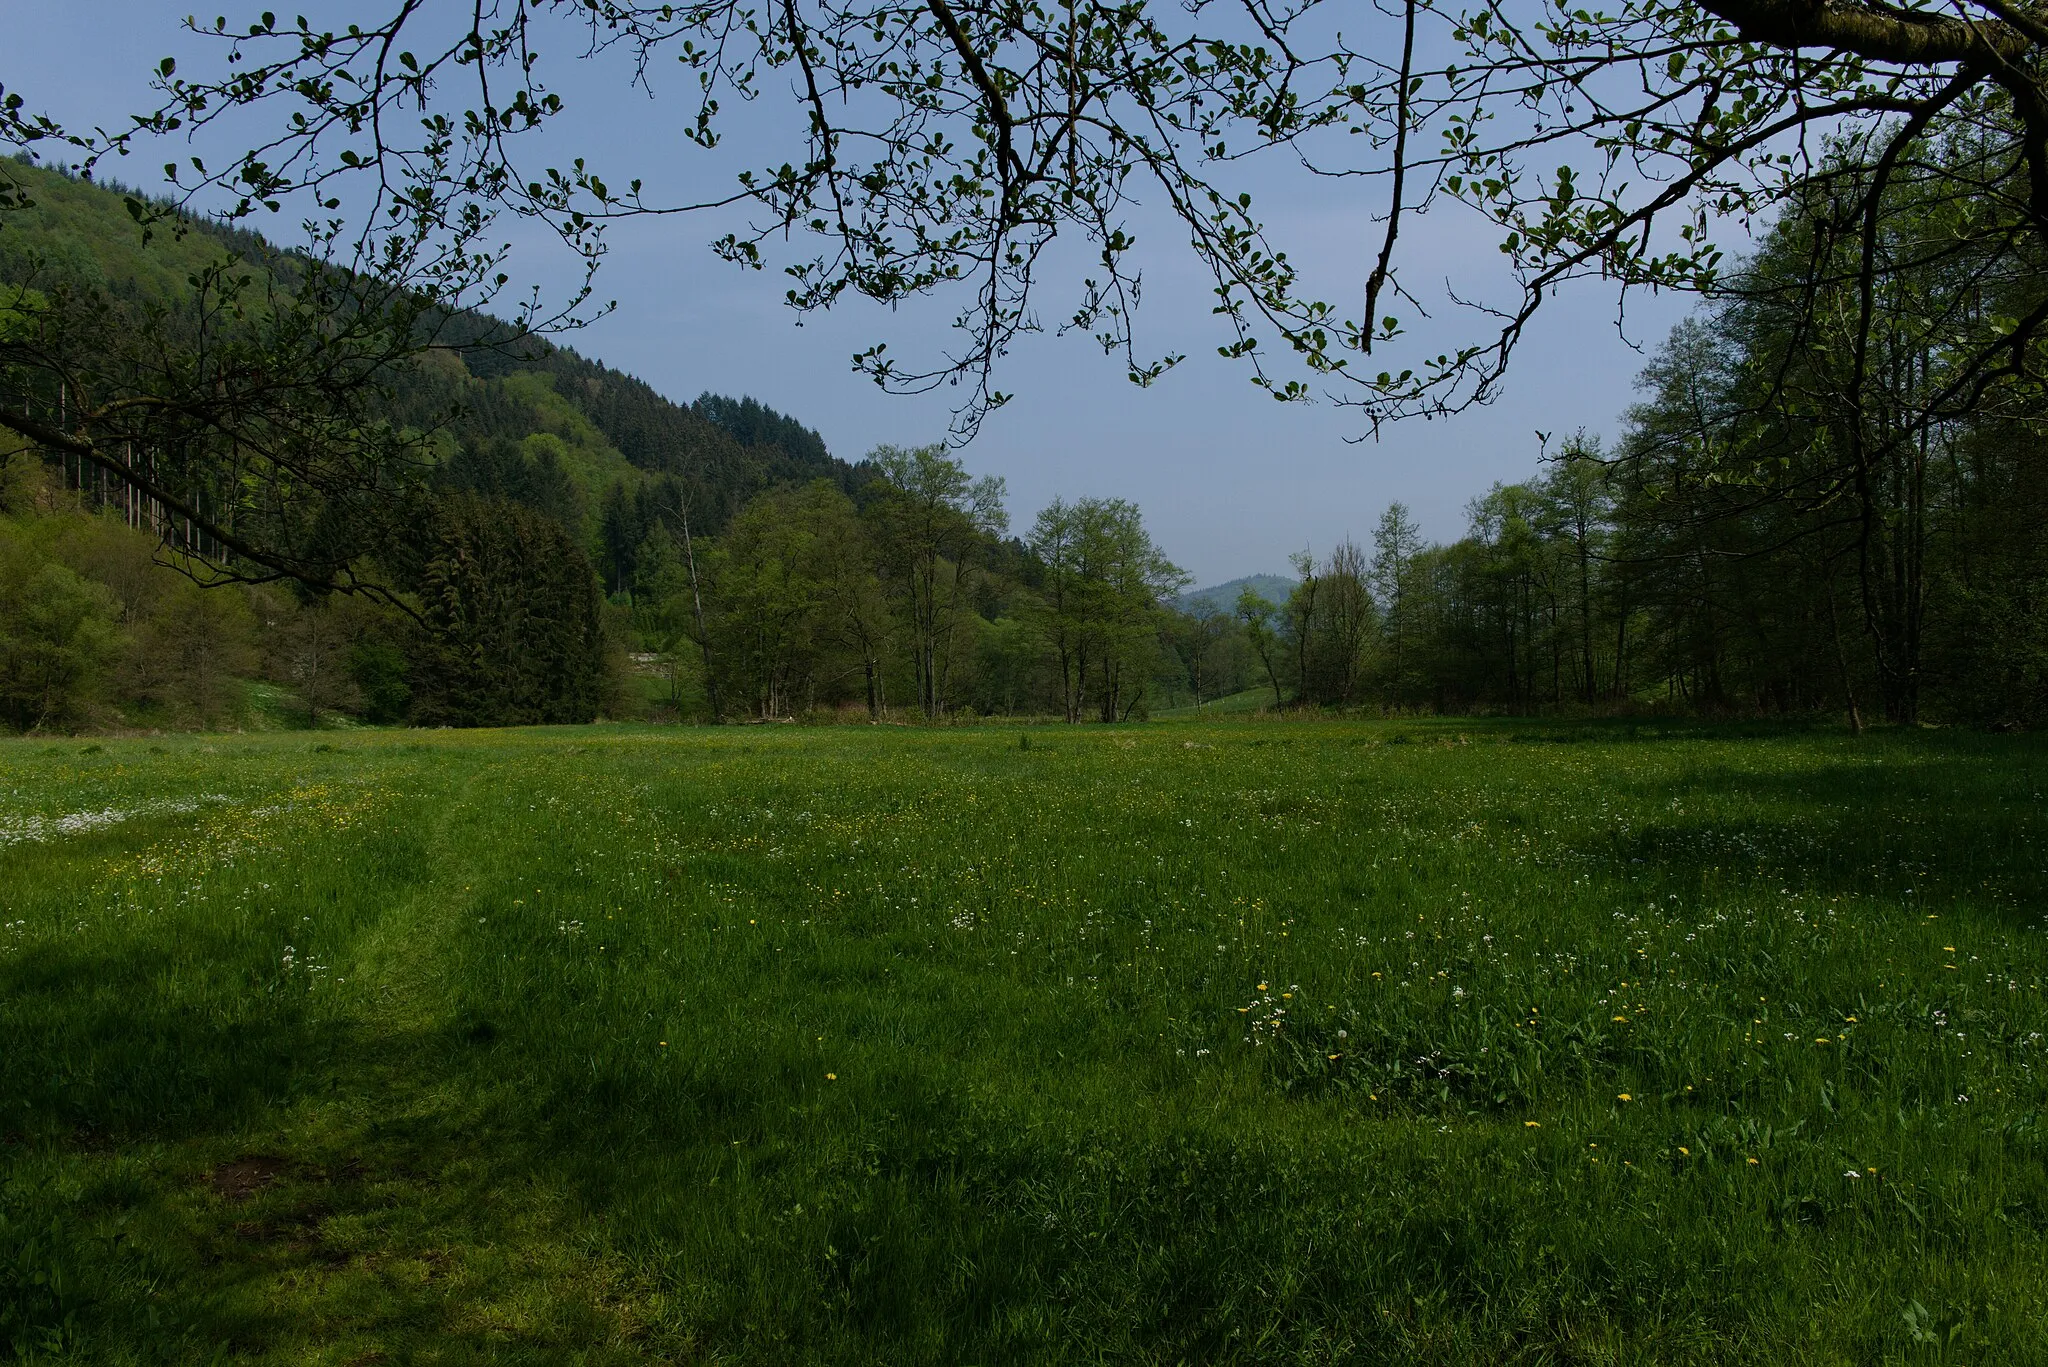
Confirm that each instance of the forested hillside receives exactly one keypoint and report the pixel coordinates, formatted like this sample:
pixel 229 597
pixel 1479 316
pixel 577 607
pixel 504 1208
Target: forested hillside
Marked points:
pixel 1223 597
pixel 594 456
pixel 530 419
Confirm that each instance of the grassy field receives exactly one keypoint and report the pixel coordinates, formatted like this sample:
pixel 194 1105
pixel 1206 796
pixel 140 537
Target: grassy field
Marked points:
pixel 1187 1043
pixel 1233 706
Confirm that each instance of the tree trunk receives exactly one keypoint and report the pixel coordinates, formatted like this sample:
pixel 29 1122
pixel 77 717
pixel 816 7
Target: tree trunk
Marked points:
pixel 697 609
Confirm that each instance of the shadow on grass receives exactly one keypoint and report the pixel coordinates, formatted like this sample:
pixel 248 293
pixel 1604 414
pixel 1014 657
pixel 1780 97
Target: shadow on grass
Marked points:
pixel 1909 818
pixel 270 1184
pixel 246 1178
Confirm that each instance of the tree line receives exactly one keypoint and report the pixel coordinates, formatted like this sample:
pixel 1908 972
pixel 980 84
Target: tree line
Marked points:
pixel 1820 504
pixel 501 623
pixel 903 596
pixel 1830 498
pixel 906 592
pixel 265 411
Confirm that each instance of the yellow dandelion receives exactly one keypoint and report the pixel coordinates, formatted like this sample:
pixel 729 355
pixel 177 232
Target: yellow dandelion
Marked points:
pixel 1752 1162
pixel 1625 1097
pixel 831 1077
pixel 1684 1150
pixel 1532 1124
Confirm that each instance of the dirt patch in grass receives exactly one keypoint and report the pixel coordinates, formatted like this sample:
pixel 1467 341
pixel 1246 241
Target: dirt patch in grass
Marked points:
pixel 240 1178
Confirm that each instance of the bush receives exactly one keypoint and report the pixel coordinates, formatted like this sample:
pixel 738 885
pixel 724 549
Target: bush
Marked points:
pixel 192 648
pixel 379 670
pixel 57 637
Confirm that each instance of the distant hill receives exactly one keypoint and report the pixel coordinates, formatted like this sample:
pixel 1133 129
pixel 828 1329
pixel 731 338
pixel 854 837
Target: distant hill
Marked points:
pixel 1223 597
pixel 616 451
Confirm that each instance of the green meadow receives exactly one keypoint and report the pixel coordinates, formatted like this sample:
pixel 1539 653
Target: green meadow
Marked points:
pixel 1203 1042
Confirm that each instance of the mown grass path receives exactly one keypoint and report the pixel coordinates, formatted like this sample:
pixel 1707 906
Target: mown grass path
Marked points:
pixel 1208 1042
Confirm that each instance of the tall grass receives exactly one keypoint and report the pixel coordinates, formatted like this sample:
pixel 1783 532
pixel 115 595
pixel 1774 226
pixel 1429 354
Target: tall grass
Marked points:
pixel 1218 1042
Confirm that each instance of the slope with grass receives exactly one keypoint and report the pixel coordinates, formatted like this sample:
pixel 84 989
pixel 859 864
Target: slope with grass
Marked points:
pixel 1220 1042
pixel 1239 704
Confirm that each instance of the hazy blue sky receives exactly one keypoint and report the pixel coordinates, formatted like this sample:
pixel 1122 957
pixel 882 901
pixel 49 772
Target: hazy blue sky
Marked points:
pixel 1229 480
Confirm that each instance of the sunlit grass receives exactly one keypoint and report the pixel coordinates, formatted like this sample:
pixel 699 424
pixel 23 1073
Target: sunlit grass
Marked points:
pixel 1403 1042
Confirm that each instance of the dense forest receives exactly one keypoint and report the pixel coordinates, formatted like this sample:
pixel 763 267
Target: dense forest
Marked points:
pixel 582 546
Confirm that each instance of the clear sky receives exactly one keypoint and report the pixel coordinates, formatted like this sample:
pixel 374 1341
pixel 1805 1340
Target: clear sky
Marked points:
pixel 1230 481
